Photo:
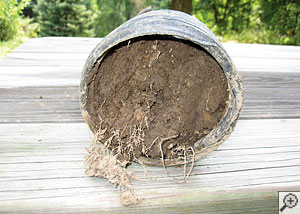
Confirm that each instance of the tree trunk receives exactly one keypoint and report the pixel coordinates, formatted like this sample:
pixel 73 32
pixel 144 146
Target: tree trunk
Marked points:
pixel 182 5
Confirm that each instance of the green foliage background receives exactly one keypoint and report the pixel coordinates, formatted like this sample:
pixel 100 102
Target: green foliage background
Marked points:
pixel 10 20
pixel 14 28
pixel 64 17
pixel 251 21
pixel 111 14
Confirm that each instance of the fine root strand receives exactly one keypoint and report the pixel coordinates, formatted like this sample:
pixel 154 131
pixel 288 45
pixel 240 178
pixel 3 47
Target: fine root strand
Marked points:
pixel 208 94
pixel 162 152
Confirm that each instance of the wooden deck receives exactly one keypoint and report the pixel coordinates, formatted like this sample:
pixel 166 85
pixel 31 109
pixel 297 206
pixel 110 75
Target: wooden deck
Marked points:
pixel 43 138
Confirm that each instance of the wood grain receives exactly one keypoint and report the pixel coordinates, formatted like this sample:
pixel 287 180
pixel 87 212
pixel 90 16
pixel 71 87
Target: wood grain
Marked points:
pixel 53 61
pixel 267 95
pixel 40 104
pixel 43 138
pixel 41 167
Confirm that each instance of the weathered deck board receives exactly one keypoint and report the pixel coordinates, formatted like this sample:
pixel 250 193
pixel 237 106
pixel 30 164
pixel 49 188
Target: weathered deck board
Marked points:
pixel 58 61
pixel 267 95
pixel 42 164
pixel 43 139
pixel 58 104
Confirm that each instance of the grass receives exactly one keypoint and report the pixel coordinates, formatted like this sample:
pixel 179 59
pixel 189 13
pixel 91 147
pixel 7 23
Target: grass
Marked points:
pixel 25 30
pixel 259 36
pixel 7 46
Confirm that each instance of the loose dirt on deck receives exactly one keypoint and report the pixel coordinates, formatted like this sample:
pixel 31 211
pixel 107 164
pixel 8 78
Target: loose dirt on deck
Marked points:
pixel 153 98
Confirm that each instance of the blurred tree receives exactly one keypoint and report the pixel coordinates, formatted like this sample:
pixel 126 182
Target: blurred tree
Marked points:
pixel 283 17
pixel 182 5
pixel 10 18
pixel 225 15
pixel 258 21
pixel 111 14
pixel 65 17
pixel 28 10
pixel 158 4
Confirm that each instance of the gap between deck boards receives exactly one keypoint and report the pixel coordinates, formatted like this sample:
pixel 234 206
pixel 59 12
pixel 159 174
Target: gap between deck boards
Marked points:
pixel 47 172
pixel 267 96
